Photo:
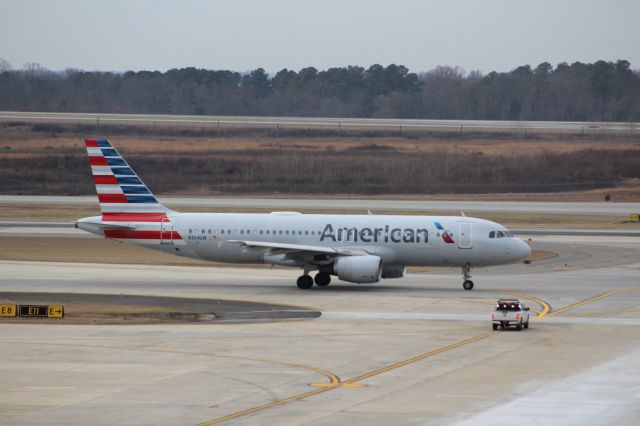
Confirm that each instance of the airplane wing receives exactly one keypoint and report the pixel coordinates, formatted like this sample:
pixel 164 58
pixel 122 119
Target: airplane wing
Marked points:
pixel 299 248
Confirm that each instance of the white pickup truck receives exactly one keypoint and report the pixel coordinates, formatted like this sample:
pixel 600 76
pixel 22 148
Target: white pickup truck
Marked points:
pixel 510 312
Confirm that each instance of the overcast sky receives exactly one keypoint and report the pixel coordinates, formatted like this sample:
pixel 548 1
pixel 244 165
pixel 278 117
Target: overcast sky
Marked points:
pixel 120 35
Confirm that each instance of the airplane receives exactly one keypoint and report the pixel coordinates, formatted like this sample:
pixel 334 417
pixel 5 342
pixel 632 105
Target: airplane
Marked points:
pixel 359 249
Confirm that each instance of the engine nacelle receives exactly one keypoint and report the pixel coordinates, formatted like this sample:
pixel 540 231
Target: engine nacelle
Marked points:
pixel 393 271
pixel 358 269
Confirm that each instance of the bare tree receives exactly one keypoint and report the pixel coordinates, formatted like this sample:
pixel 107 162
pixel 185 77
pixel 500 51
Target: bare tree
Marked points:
pixel 4 65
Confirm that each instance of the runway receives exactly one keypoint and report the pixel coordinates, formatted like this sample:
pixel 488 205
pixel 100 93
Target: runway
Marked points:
pixel 376 206
pixel 413 351
pixel 200 120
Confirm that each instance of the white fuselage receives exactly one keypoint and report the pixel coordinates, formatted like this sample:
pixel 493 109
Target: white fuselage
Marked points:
pixel 398 240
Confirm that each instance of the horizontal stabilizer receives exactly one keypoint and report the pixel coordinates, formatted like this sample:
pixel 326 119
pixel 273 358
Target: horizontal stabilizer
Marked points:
pixel 97 225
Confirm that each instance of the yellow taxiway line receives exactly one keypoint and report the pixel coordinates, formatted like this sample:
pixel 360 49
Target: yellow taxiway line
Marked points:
pixel 583 302
pixel 420 357
pixel 546 308
pixel 265 406
pixel 546 312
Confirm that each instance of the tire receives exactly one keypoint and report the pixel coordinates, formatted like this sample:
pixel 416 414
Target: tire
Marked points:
pixel 322 279
pixel 526 324
pixel 519 326
pixel 494 326
pixel 467 285
pixel 305 282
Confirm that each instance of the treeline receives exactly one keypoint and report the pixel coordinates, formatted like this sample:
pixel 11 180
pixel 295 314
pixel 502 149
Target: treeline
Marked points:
pixel 602 91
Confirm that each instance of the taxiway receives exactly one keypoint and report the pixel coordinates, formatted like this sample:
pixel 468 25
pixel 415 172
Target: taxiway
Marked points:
pixel 412 351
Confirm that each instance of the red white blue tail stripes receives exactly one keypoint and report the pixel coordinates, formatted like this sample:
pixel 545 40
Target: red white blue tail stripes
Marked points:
pixel 119 188
pixel 130 212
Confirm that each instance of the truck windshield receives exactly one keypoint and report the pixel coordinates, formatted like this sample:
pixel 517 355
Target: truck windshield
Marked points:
pixel 508 307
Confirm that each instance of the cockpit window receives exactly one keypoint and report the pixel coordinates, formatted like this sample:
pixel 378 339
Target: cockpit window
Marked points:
pixel 500 234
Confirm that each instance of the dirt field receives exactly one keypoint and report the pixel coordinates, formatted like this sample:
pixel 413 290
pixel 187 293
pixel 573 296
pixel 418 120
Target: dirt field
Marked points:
pixel 545 167
pixel 17 142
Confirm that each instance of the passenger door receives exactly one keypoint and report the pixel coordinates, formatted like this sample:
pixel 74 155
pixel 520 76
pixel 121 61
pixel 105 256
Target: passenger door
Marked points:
pixel 465 240
pixel 166 231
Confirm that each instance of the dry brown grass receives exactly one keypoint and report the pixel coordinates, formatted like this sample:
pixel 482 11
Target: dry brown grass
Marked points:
pixel 23 141
pixel 90 250
pixel 37 163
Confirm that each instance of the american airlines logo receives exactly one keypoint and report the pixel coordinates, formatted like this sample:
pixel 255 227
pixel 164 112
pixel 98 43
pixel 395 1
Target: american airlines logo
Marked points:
pixel 375 235
pixel 446 235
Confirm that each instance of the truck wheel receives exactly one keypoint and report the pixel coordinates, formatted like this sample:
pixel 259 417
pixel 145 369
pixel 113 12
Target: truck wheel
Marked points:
pixel 519 326
pixel 526 324
pixel 494 326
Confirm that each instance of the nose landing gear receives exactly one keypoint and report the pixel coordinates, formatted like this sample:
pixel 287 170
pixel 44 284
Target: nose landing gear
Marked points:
pixel 466 274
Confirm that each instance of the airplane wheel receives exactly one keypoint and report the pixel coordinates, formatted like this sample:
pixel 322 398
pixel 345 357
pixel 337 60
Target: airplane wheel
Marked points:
pixel 305 282
pixel 467 285
pixel 322 279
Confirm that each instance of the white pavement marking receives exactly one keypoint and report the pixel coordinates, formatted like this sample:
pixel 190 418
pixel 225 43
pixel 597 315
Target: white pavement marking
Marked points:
pixel 594 397
pixel 417 316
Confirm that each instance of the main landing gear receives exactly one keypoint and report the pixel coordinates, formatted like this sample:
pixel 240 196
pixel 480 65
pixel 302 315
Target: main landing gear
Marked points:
pixel 466 274
pixel 322 279
pixel 305 282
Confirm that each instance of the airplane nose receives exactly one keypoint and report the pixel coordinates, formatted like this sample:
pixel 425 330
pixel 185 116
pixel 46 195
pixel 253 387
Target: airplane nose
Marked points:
pixel 523 250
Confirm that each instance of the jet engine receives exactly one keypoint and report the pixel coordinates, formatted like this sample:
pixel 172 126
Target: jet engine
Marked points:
pixel 358 269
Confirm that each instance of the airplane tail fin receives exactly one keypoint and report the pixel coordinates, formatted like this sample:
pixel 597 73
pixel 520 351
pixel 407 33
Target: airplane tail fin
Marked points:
pixel 121 192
